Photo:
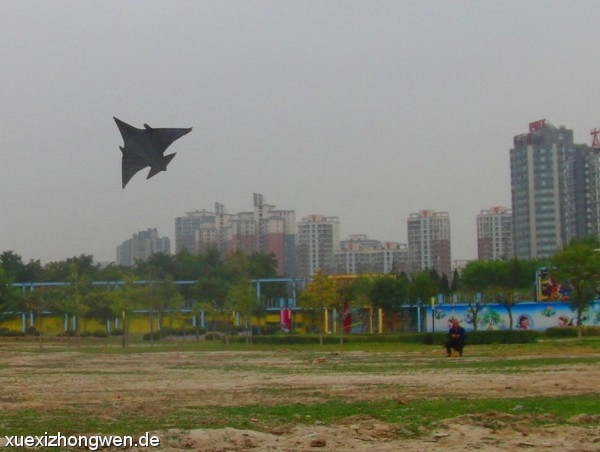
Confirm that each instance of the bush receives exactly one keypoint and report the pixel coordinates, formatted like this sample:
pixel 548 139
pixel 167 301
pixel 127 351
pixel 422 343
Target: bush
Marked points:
pixel 116 332
pixel 32 331
pixel 155 336
pixel 266 329
pixel 213 336
pixel 571 331
pixel 100 333
pixel 303 339
pixel 68 333
pixel 489 337
pixel 473 337
pixel 503 337
pixel 5 332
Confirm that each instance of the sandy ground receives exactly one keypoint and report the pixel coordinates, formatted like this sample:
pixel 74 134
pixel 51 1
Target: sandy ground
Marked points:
pixel 157 383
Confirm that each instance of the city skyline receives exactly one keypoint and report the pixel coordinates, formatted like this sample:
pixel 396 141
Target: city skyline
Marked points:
pixel 366 111
pixel 304 246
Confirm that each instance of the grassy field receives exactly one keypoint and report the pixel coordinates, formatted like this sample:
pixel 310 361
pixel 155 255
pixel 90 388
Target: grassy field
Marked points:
pixel 95 386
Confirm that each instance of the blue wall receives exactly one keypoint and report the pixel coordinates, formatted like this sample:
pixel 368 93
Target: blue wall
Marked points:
pixel 526 315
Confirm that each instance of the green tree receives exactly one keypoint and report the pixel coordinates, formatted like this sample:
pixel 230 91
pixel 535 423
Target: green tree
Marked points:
pixel 389 294
pixel 320 295
pixel 423 287
pixel 166 297
pixel 478 275
pixel 455 286
pixel 34 302
pixel 212 285
pixel 112 273
pixel 241 298
pixel 70 299
pixel 98 302
pixel 578 264
pixel 444 287
pixel 10 298
pixel 12 264
pixel 158 266
pixel 124 300
pixel 61 271
pixel 263 266
pixel 359 293
pixel 21 273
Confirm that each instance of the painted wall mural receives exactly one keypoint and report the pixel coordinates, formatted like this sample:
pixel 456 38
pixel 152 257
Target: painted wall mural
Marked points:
pixel 526 316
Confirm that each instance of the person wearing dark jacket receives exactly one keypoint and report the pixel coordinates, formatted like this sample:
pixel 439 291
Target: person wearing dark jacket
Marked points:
pixel 456 338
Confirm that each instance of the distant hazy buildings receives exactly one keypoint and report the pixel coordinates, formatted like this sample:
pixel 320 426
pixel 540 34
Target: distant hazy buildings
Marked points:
pixel 194 227
pixel 141 247
pixel 262 230
pixel 276 234
pixel 359 254
pixel 429 242
pixel 318 238
pixel 553 184
pixel 494 234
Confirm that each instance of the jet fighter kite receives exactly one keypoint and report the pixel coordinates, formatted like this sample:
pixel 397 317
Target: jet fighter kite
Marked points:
pixel 146 147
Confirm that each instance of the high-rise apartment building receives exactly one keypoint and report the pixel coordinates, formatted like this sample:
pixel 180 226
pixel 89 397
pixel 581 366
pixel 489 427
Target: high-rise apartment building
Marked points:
pixel 318 238
pixel 240 234
pixel 264 230
pixel 395 257
pixel 141 247
pixel 280 240
pixel 276 234
pixel 548 188
pixel 494 234
pixel 191 228
pixel 429 242
pixel 359 254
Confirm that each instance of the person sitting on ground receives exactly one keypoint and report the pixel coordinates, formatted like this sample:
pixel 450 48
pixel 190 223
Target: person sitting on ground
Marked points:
pixel 456 338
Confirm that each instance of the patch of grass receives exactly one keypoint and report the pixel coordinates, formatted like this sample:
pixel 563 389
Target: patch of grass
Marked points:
pixel 416 417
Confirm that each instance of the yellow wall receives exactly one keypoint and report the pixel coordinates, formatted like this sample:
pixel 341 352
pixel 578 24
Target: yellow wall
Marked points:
pixel 53 325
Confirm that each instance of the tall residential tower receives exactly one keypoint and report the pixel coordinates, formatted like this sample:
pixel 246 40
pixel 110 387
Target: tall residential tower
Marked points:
pixel 429 242
pixel 318 240
pixel 548 190
pixel 494 234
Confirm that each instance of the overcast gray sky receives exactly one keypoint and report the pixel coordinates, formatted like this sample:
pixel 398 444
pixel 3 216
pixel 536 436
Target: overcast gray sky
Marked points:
pixel 365 110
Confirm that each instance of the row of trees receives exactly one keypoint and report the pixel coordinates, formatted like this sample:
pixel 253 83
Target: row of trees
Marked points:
pixel 216 285
pixel 222 284
pixel 507 282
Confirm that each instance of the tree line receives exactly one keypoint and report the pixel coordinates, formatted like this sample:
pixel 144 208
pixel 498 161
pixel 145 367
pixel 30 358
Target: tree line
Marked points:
pixel 505 282
pixel 217 285
pixel 223 283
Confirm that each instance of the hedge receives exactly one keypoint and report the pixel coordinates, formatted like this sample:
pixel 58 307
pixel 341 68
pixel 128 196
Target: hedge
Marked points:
pixel 572 331
pixel 473 337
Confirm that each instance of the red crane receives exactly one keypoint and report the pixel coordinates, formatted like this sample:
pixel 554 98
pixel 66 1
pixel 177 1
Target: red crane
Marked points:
pixel 595 139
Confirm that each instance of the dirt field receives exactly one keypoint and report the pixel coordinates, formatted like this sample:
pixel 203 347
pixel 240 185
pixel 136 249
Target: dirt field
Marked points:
pixel 154 384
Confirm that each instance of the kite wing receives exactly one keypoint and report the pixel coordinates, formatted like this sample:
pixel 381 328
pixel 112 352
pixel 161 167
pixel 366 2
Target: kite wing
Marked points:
pixel 163 138
pixel 130 164
pixel 129 133
pixel 166 160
